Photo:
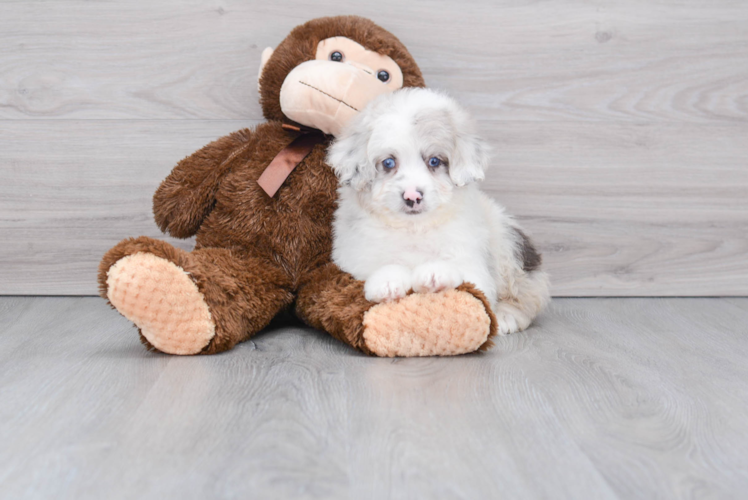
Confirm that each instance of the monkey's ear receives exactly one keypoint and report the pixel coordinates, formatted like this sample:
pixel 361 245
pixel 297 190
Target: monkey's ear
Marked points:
pixel 348 157
pixel 263 61
pixel 469 159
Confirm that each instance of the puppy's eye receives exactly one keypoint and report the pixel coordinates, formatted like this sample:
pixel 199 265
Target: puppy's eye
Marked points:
pixel 383 76
pixel 336 56
pixel 434 162
pixel 388 163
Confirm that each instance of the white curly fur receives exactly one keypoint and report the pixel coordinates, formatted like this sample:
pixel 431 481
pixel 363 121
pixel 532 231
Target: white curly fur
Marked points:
pixel 424 227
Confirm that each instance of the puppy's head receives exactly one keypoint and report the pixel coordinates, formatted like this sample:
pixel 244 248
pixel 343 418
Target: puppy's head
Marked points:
pixel 407 152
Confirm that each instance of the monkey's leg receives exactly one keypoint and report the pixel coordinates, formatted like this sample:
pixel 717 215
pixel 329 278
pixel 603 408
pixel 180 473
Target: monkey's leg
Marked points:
pixel 433 324
pixel 202 302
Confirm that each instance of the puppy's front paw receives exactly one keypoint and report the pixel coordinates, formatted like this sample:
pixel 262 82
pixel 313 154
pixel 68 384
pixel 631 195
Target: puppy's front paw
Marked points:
pixel 388 284
pixel 435 277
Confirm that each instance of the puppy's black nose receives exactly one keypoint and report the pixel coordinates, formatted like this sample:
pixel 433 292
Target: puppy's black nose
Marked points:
pixel 412 197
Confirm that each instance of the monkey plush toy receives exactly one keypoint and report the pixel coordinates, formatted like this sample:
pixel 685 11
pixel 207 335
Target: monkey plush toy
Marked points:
pixel 264 227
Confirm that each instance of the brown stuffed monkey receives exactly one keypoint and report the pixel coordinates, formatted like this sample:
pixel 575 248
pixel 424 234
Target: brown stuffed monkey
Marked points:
pixel 264 235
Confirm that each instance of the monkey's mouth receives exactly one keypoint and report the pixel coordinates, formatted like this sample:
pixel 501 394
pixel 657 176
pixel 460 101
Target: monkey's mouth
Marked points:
pixel 328 95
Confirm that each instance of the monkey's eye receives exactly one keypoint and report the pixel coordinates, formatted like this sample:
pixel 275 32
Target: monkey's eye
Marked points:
pixel 383 75
pixel 388 163
pixel 434 162
pixel 336 56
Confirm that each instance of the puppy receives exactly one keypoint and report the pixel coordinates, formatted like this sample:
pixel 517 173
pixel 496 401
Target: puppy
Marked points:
pixel 410 214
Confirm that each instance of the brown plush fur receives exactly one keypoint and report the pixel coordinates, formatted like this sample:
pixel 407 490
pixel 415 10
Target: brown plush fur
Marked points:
pixel 301 45
pixel 255 255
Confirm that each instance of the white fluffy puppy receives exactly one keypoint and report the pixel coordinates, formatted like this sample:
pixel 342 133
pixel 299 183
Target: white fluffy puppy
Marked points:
pixel 410 215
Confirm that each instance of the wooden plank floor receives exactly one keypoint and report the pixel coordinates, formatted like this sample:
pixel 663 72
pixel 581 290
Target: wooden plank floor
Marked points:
pixel 602 398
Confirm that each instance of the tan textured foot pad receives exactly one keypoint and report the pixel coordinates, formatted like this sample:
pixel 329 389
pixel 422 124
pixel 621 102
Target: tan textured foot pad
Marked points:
pixel 162 300
pixel 432 324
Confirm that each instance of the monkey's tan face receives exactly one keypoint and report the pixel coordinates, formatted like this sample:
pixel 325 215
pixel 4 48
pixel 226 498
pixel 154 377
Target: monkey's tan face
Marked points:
pixel 344 76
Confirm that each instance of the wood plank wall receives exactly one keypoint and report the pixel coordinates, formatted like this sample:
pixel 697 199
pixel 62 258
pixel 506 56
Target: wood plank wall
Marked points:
pixel 620 128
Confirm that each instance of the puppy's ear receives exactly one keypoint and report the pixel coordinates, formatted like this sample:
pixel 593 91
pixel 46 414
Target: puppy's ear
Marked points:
pixel 470 156
pixel 348 156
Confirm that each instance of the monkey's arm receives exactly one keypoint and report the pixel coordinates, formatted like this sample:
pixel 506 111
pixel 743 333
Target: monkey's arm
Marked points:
pixel 188 194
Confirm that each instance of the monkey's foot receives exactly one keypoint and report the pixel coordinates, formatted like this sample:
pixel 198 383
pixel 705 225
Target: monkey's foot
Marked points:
pixel 162 300
pixel 431 324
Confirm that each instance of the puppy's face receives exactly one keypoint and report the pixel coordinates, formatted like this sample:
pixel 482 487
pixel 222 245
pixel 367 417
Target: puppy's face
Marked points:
pixel 410 159
pixel 407 152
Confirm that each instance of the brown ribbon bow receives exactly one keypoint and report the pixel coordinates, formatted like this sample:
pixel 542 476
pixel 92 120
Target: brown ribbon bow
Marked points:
pixel 286 160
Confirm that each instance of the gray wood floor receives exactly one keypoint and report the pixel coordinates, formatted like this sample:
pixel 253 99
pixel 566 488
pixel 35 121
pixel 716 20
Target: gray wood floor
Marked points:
pixel 602 398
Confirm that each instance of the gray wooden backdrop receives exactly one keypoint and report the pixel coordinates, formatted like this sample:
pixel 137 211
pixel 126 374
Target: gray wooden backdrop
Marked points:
pixel 620 128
